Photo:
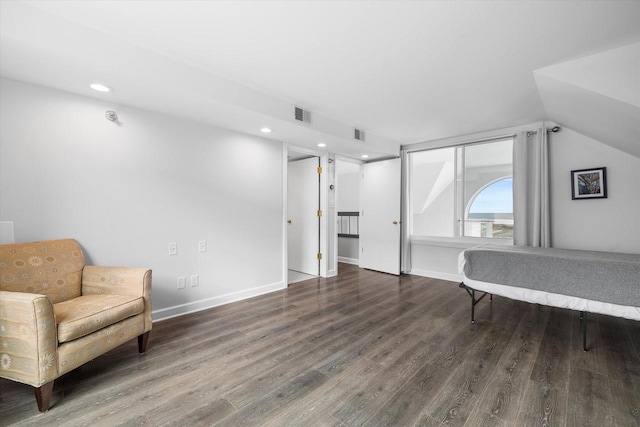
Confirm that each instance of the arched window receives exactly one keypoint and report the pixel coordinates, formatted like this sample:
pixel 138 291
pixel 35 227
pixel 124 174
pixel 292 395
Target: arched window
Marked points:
pixel 489 213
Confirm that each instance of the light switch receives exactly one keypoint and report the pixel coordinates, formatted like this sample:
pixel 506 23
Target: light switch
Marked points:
pixel 173 249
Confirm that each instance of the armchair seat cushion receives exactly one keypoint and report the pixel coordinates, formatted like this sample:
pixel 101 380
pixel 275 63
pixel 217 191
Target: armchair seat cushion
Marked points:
pixel 86 314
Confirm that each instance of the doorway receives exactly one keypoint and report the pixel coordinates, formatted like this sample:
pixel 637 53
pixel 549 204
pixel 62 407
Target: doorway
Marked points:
pixel 303 217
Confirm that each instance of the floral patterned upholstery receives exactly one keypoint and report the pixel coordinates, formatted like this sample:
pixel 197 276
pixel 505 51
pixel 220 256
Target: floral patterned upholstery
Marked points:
pixel 86 314
pixel 56 313
pixel 52 268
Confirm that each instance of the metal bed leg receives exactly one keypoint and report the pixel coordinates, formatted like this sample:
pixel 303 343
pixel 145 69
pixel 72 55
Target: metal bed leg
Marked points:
pixel 583 318
pixel 474 301
pixel 473 306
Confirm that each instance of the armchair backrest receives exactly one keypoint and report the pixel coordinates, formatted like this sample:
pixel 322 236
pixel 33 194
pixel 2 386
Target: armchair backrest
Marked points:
pixel 52 268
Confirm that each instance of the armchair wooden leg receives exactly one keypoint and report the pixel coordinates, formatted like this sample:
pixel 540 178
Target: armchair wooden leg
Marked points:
pixel 43 396
pixel 142 342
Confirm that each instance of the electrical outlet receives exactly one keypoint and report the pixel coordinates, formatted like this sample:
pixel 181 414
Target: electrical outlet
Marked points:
pixel 182 282
pixel 173 249
pixel 195 280
pixel 202 246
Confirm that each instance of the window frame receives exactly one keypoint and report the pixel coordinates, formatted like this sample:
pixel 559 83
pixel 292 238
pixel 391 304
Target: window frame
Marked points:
pixel 460 209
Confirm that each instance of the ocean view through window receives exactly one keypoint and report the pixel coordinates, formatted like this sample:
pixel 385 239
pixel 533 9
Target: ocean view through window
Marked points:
pixel 490 213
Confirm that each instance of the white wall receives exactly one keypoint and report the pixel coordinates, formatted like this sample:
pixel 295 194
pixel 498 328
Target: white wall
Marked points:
pixel 125 190
pixel 611 224
pixel 348 192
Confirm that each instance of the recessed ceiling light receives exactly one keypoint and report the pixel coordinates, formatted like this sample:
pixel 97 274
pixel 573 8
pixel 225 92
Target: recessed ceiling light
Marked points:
pixel 322 144
pixel 365 156
pixel 100 87
pixel 265 130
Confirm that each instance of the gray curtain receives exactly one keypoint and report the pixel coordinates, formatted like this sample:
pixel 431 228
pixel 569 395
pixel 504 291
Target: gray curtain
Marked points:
pixel 531 189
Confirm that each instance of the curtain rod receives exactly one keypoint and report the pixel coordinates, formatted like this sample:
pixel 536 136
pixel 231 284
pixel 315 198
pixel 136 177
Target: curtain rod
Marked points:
pixel 408 149
pixel 553 129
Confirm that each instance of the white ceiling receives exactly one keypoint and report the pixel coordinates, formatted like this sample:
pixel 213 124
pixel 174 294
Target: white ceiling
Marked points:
pixel 403 71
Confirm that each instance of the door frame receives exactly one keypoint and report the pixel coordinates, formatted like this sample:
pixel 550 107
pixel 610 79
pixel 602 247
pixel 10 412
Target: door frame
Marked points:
pixel 334 235
pixel 326 212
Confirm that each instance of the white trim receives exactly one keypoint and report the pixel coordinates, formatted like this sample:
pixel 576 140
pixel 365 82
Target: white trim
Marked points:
pixel 324 188
pixel 458 242
pixel 324 207
pixel 207 303
pixel 437 275
pixel 348 159
pixel 353 261
pixel 332 217
pixel 470 138
pixel 285 230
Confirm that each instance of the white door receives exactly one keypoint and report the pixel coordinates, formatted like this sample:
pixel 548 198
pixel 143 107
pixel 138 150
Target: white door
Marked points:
pixel 303 203
pixel 380 216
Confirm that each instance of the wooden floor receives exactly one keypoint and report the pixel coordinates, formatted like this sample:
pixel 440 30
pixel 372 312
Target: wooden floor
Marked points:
pixel 362 349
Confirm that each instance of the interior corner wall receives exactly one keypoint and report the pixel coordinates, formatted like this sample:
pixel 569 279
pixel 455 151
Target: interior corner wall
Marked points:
pixel 127 189
pixel 611 224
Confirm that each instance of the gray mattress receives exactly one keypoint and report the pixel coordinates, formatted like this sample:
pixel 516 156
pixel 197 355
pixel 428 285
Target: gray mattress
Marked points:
pixel 599 276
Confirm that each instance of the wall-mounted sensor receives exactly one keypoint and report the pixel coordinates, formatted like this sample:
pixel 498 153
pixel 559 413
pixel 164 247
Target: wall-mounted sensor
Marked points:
pixel 331 187
pixel 111 115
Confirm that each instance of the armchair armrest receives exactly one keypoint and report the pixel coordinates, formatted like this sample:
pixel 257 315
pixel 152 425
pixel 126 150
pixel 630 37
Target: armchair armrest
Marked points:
pixel 120 281
pixel 28 353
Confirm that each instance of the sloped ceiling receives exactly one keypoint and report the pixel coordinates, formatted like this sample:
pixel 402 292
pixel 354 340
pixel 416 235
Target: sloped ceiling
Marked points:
pixel 403 71
pixel 598 96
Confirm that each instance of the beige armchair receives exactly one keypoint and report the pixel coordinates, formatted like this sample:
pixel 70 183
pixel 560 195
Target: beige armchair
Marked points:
pixel 57 314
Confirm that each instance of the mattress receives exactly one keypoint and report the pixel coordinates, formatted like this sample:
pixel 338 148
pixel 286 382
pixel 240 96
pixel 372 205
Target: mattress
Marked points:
pixel 598 276
pixel 597 282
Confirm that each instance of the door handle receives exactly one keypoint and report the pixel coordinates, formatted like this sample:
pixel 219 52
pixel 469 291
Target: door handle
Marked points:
pixel 395 222
pixel 288 221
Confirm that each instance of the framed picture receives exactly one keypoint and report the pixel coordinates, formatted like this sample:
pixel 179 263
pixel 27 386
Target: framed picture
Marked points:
pixel 589 184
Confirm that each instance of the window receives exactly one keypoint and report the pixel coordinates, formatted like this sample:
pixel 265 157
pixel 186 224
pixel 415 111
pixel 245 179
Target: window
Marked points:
pixel 490 211
pixel 463 190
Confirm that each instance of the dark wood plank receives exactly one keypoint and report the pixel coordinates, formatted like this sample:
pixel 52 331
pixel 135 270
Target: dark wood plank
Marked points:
pixel 458 398
pixel 479 418
pixel 407 406
pixel 546 394
pixel 589 402
pixel 504 392
pixel 542 405
pixel 623 371
pixel 551 367
pixel 374 391
pixel 633 327
pixel 317 407
pixel 276 400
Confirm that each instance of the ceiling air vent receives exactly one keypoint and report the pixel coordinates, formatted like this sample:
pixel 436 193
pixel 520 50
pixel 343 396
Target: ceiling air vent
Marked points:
pixel 302 115
pixel 358 134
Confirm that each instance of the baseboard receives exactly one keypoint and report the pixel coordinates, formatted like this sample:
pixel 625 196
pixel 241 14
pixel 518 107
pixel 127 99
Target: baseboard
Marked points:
pixel 354 261
pixel 204 304
pixel 436 275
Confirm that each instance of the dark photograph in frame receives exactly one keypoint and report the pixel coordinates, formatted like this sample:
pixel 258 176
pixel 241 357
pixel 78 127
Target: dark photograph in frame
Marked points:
pixel 589 183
